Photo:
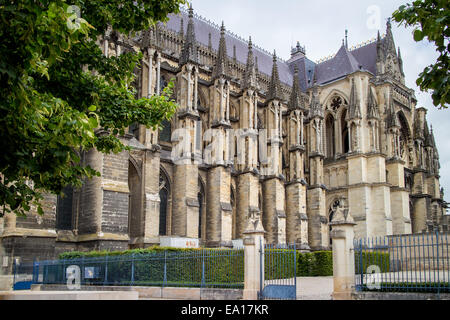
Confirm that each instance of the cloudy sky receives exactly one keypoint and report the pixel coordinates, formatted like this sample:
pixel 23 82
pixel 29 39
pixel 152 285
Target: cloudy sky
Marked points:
pixel 320 26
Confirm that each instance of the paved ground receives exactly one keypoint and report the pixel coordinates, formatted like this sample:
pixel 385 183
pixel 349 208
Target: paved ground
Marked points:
pixel 318 288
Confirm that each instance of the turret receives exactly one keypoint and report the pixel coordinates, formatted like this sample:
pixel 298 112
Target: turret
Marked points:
pixel 190 47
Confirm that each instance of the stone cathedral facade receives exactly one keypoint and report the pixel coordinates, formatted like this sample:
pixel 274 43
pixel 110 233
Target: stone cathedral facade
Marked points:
pixel 288 141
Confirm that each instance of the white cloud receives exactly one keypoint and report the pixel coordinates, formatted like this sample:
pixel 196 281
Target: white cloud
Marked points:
pixel 320 26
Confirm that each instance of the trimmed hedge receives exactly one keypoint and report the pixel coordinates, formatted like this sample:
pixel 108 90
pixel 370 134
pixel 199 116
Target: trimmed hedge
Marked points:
pixel 96 254
pixel 380 259
pixel 315 264
pixel 320 263
pixel 184 267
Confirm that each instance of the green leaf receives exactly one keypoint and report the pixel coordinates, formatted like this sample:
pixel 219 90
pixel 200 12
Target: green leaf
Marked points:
pixel 418 35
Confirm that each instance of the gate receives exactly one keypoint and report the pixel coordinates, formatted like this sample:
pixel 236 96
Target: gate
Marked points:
pixel 23 275
pixel 278 272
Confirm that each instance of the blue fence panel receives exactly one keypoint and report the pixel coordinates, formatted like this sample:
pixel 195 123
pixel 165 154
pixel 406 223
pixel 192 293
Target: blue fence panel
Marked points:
pixel 403 263
pixel 198 268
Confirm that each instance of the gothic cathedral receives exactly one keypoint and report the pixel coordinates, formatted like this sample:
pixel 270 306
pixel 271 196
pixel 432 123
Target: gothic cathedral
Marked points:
pixel 286 141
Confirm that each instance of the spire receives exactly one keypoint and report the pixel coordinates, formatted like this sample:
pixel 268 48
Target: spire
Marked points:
pixel 392 119
pixel 190 48
pixel 433 141
pixel 294 101
pixel 221 66
pixel 429 137
pixel 418 132
pixel 380 55
pixel 389 40
pixel 346 39
pixel 400 60
pixel 182 28
pixel 250 78
pixel 354 110
pixel 275 85
pixel 372 107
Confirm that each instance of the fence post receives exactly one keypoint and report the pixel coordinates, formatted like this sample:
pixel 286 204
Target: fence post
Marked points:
pixel 343 253
pixel 202 285
pixel 132 269
pixel 253 266
pixel 105 282
pixel 165 270
pixel 14 271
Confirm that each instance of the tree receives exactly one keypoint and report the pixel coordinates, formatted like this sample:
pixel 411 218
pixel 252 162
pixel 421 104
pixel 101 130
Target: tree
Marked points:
pixel 57 89
pixel 431 19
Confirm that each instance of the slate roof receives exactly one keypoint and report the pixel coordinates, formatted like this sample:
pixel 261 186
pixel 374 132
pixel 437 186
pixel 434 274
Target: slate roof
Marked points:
pixel 342 64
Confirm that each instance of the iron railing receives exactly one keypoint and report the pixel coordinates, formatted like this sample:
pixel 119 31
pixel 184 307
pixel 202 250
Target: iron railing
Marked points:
pixel 208 268
pixel 279 266
pixel 403 263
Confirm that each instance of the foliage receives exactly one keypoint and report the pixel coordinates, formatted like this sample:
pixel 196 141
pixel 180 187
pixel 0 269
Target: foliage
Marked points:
pixel 183 267
pixel 320 263
pixel 305 262
pixel 431 19
pixel 363 260
pixel 315 264
pixel 96 254
pixel 279 264
pixel 57 89
pixel 323 263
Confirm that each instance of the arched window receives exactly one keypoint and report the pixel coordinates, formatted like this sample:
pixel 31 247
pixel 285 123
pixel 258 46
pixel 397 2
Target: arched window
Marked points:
pixel 329 131
pixel 201 202
pixel 64 209
pixel 163 82
pixel 135 199
pixel 344 133
pixel 164 193
pixel 336 103
pixel 165 134
pixel 404 135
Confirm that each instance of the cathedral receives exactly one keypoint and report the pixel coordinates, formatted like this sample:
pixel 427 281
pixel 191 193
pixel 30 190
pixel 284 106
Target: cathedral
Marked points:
pixel 287 142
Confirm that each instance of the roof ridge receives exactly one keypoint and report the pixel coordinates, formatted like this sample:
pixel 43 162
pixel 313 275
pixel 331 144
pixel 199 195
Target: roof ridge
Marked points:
pixel 353 48
pixel 363 44
pixel 229 33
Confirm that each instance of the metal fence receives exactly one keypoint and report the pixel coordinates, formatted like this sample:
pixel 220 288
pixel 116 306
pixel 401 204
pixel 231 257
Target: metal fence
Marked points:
pixel 208 268
pixel 404 263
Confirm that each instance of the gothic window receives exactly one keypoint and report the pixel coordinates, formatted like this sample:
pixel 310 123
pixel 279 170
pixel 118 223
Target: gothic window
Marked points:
pixel 330 141
pixel 134 130
pixel 344 133
pixel 404 135
pixel 165 134
pixel 64 210
pixel 201 200
pixel 164 192
pixel 260 123
pixel 233 207
pixel 336 103
pixel 163 83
